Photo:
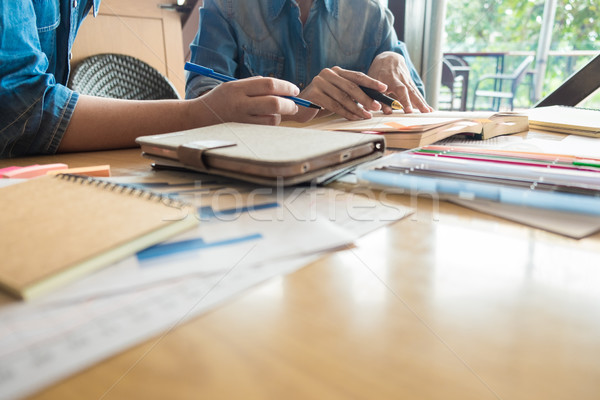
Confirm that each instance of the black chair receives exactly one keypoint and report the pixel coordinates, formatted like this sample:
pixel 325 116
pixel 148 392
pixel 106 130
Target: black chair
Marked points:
pixel 497 79
pixel 455 77
pixel 455 61
pixel 447 96
pixel 120 76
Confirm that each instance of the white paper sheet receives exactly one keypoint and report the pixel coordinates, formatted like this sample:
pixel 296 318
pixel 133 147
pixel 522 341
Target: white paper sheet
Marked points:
pixel 41 343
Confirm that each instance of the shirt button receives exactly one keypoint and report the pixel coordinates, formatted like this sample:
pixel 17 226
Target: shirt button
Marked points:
pixel 301 85
pixel 74 3
pixel 70 55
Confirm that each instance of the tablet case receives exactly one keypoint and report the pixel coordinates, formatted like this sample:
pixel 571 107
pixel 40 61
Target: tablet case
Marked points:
pixel 267 155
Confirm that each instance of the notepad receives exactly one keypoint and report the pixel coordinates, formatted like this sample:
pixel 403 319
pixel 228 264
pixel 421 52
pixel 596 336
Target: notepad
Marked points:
pixel 55 229
pixel 571 120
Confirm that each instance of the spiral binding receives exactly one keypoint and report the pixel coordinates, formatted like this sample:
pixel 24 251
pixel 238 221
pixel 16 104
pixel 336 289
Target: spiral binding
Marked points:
pixel 124 189
pixel 582 108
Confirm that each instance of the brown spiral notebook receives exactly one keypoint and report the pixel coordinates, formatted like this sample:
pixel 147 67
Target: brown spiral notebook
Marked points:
pixel 55 229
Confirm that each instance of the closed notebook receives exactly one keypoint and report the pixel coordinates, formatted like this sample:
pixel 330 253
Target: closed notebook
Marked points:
pixel 268 155
pixel 571 120
pixel 55 229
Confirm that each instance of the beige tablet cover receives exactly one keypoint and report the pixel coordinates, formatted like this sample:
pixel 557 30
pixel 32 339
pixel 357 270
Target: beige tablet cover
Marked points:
pixel 264 154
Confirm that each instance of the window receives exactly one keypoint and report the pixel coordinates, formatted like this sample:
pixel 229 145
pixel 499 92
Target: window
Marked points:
pixel 499 34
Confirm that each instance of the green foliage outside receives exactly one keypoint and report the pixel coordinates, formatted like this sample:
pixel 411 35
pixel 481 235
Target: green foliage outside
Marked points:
pixel 514 25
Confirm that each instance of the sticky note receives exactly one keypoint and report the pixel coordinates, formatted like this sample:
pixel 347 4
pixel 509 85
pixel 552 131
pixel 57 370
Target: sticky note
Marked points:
pixel 8 169
pixel 34 170
pixel 96 170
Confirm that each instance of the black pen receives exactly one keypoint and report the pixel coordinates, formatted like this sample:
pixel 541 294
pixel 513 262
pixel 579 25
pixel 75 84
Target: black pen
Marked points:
pixel 382 98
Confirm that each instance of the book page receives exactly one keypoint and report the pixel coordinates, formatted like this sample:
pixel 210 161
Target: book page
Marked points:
pixel 396 122
pixel 399 121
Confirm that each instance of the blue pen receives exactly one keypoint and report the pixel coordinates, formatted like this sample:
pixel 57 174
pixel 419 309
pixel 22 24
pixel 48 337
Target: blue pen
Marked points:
pixel 199 69
pixel 559 201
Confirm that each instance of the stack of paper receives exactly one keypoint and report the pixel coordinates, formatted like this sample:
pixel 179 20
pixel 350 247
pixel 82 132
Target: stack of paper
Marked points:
pixel 571 120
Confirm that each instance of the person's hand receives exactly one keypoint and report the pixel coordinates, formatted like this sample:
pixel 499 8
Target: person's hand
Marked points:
pixel 336 90
pixel 390 68
pixel 255 100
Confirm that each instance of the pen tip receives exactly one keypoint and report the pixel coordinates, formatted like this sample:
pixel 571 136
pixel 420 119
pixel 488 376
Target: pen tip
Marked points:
pixel 396 105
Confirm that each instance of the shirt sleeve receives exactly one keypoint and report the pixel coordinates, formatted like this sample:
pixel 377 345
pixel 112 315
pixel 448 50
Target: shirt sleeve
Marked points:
pixel 214 46
pixel 390 42
pixel 34 110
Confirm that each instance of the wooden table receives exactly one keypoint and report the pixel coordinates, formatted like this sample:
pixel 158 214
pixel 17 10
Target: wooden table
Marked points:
pixel 447 304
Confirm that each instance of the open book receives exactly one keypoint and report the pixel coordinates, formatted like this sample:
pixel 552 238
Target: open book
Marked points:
pixel 572 120
pixel 413 130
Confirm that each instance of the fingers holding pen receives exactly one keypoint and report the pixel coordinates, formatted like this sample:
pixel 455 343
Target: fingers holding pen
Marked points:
pixel 265 96
pixel 350 82
pixel 252 100
pixel 409 96
pixel 337 90
pixel 391 68
pixel 334 99
pixel 260 86
pixel 400 91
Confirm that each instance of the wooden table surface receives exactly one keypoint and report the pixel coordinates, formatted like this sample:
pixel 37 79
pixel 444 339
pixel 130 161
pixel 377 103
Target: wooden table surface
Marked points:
pixel 446 304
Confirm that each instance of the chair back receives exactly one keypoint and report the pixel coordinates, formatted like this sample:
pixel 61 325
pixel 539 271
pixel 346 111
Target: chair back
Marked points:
pixel 448 76
pixel 120 76
pixel 448 80
pixel 520 72
pixel 455 61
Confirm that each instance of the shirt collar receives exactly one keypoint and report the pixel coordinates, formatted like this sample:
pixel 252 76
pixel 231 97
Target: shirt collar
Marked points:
pixel 331 6
pixel 276 6
pixel 96 6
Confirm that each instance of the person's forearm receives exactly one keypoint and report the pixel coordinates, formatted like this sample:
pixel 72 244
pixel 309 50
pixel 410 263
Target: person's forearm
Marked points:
pixel 100 123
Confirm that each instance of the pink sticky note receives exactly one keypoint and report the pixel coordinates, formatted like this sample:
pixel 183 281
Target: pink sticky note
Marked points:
pixel 12 169
pixel 34 170
pixel 7 169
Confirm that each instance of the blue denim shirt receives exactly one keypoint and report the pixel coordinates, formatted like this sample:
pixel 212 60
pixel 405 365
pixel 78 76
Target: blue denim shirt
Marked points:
pixel 36 37
pixel 244 38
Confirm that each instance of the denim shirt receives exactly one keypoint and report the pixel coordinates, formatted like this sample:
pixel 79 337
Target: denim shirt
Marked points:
pixel 36 37
pixel 244 38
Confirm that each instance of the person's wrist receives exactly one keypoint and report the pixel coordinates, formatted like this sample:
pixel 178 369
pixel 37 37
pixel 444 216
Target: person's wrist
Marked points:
pixel 198 112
